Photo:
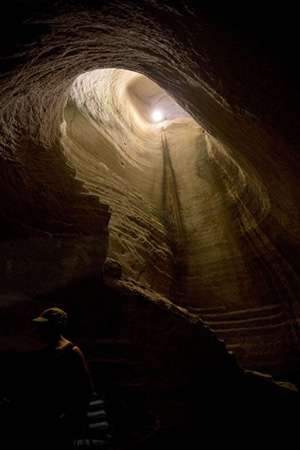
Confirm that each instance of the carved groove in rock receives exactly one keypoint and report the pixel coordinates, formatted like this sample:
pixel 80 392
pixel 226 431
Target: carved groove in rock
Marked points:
pixel 83 177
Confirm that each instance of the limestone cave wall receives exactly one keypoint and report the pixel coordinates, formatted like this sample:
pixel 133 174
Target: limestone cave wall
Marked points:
pixel 201 210
pixel 38 72
pixel 117 155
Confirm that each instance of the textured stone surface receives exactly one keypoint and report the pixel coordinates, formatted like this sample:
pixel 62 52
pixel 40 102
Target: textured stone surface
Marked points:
pixel 204 213
pixel 64 43
pixel 182 207
pixel 199 238
pixel 156 364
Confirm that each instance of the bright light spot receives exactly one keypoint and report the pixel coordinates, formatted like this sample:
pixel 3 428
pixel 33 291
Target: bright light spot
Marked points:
pixel 157 116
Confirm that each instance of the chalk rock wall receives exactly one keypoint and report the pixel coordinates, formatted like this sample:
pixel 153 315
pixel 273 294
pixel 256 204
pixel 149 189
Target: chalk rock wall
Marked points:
pixel 116 152
pixel 226 224
pixel 187 216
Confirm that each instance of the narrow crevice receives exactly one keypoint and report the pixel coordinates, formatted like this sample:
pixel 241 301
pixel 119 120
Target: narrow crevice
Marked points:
pixel 174 223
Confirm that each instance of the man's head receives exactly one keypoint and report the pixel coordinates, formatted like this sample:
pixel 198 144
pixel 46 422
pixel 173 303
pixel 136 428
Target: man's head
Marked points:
pixel 51 323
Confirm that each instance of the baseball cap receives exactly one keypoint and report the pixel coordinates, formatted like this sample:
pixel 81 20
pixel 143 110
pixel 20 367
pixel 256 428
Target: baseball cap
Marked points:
pixel 54 316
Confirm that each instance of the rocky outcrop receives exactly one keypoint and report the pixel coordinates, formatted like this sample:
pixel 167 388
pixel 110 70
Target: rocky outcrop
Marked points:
pixel 203 213
pixel 163 374
pixel 180 54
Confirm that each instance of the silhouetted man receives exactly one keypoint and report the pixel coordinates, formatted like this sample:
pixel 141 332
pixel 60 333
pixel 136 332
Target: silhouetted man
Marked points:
pixel 59 386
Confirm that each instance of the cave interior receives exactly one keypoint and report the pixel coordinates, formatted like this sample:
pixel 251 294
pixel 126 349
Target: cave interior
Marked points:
pixel 150 188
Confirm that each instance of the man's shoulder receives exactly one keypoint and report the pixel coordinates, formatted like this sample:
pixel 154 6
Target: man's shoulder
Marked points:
pixel 77 351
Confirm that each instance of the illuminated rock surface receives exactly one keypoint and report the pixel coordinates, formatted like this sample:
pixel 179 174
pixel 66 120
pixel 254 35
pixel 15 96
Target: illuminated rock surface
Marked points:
pixel 200 210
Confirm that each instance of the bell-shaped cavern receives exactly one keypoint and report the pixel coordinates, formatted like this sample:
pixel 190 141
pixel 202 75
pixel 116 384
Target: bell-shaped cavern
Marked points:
pixel 149 188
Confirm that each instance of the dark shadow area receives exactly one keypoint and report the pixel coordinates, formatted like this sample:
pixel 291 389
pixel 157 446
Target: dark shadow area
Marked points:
pixel 165 380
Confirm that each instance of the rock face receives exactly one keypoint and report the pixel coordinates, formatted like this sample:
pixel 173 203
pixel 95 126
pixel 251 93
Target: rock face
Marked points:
pixel 183 209
pixel 187 218
pixel 199 211
pixel 121 161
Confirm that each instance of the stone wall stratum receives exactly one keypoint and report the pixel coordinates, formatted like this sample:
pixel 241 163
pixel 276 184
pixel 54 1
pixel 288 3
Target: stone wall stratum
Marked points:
pixel 176 241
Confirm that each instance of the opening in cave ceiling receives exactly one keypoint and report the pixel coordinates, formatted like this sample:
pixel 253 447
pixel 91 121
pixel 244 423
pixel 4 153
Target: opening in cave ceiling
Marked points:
pixel 171 190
